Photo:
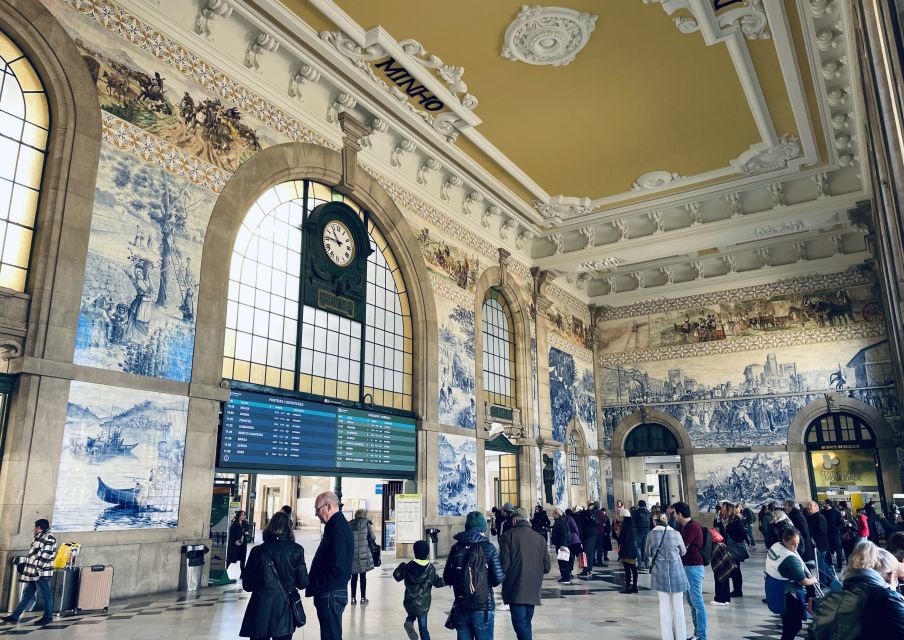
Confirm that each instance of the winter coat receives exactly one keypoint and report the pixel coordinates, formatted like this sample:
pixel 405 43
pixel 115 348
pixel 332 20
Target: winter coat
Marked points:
pixel 524 559
pixel 540 523
pixel 363 536
pixel 862 526
pixel 574 530
pixel 463 540
pixel 268 611
pixel 818 530
pixel 331 568
pixel 627 540
pixel 722 563
pixel 882 613
pixel 667 573
pixel 238 532
pixel 587 524
pixel 736 540
pixel 805 550
pixel 834 524
pixel 419 582
pixel 39 561
pixel 561 537
pixel 604 530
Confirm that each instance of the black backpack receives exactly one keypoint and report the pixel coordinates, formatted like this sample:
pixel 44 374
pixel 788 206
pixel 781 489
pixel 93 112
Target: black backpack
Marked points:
pixel 472 586
pixel 643 519
pixel 706 551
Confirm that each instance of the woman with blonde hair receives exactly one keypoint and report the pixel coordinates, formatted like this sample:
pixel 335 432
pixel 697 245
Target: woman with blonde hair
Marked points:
pixel 665 548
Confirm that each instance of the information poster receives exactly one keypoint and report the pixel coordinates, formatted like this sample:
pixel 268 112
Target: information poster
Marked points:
pixel 408 517
pixel 389 536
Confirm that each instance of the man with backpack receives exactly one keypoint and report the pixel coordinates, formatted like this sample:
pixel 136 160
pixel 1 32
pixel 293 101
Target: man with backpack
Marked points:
pixel 643 521
pixel 472 570
pixel 695 541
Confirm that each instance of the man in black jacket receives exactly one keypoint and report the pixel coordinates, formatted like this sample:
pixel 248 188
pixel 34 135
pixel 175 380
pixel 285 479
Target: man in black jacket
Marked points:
pixel 834 526
pixel 524 558
pixel 331 568
pixel 588 525
pixel 800 523
pixel 820 536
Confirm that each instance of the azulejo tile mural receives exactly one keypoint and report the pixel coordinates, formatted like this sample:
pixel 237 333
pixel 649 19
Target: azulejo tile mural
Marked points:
pixel 560 489
pixel 751 398
pixel 457 474
pixel 449 260
pixel 138 301
pixel 757 478
pixel 593 479
pixel 571 392
pixel 121 463
pixel 457 361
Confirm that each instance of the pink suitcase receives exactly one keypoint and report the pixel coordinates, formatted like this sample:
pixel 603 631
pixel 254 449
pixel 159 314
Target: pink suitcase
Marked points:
pixel 95 586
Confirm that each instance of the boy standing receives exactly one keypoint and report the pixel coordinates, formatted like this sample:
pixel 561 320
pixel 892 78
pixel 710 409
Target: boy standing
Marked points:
pixel 420 577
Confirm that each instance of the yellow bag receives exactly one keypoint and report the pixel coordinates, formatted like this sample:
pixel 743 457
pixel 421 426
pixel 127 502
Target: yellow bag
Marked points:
pixel 66 555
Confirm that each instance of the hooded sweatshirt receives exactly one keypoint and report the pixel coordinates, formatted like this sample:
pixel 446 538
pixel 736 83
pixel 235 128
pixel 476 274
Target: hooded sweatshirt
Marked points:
pixel 420 577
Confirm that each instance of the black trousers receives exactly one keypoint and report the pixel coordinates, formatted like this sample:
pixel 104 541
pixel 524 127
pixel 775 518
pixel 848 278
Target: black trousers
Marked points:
pixel 836 550
pixel 630 575
pixel 793 617
pixel 590 550
pixel 723 592
pixel 363 584
pixel 737 581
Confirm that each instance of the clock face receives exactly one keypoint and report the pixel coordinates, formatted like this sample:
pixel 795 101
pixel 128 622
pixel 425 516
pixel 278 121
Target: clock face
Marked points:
pixel 338 243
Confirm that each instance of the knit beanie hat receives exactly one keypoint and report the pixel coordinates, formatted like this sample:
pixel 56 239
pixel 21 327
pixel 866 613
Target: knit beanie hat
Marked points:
pixel 476 521
pixel 421 550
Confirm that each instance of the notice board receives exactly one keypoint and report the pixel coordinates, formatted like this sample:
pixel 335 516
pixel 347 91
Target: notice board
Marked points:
pixel 408 517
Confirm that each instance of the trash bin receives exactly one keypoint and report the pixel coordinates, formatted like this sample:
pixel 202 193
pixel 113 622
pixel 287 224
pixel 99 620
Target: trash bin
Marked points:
pixel 15 587
pixel 192 566
pixel 433 539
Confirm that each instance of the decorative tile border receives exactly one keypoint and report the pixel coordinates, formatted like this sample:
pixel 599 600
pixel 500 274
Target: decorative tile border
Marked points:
pixel 142 35
pixel 849 278
pixel 449 290
pixel 750 343
pixel 138 142
pixel 562 343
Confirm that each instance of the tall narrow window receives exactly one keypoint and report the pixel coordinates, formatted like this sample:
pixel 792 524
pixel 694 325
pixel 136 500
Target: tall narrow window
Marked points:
pixel 498 351
pixel 573 459
pixel 24 124
pixel 273 340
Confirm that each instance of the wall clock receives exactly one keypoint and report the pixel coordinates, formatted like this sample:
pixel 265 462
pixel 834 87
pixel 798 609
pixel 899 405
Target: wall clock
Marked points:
pixel 338 243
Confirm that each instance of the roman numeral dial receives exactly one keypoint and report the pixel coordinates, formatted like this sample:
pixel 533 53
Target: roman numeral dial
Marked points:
pixel 338 243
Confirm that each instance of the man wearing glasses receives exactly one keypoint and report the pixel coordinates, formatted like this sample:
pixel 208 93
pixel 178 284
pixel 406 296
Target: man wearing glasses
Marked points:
pixel 331 568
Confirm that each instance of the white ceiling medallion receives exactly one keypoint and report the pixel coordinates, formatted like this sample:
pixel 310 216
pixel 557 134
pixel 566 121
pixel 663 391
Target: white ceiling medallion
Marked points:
pixel 547 35
pixel 654 180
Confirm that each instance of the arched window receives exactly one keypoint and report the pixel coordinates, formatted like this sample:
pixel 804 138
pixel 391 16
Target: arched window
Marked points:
pixel 266 322
pixel 498 351
pixel 837 429
pixel 24 124
pixel 651 439
pixel 574 464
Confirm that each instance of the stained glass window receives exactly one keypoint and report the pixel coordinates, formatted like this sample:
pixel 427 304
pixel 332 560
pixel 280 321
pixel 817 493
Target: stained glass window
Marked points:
pixel 24 124
pixel 272 340
pixel 573 461
pixel 498 351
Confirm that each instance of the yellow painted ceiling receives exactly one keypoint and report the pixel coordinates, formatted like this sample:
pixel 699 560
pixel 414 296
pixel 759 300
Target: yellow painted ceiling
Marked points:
pixel 640 97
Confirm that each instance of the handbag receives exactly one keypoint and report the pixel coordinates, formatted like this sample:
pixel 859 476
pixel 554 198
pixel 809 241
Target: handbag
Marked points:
pixel 375 552
pixel 563 554
pixel 451 619
pixel 582 560
pixel 293 599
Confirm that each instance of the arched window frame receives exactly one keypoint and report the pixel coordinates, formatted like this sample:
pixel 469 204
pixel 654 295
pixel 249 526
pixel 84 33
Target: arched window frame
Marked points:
pixel 499 359
pixel 372 340
pixel 839 429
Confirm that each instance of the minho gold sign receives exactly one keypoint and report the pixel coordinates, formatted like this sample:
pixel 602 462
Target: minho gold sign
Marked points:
pixel 404 80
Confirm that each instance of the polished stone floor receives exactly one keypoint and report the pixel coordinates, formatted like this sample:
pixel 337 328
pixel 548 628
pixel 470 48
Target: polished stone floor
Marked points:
pixel 585 609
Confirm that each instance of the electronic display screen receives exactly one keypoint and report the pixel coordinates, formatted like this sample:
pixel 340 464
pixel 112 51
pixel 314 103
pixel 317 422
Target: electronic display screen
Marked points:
pixel 278 433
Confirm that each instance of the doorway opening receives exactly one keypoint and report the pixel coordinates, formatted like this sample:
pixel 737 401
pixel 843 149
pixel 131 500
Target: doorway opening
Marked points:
pixel 654 466
pixel 500 472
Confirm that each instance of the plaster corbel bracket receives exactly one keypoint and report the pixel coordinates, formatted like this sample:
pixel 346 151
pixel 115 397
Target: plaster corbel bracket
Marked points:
pixel 208 13
pixel 262 44
pixel 404 146
pixel 430 164
pixel 341 102
pixel 304 74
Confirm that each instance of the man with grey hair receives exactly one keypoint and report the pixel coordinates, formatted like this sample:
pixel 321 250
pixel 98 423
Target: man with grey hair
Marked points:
pixel 331 568
pixel 525 559
pixel 819 534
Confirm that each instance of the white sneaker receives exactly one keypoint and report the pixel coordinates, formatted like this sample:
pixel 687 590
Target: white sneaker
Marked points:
pixel 719 604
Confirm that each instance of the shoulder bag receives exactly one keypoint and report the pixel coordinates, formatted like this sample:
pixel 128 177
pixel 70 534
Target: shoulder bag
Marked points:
pixel 293 599
pixel 658 547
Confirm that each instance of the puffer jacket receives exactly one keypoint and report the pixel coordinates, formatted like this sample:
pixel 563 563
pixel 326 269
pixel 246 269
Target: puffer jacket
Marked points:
pixel 419 582
pixel 866 604
pixel 463 540
pixel 363 537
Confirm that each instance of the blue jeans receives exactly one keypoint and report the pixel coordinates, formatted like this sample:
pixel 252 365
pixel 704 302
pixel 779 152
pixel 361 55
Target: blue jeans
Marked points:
pixel 474 625
pixel 421 625
pixel 825 569
pixel 642 548
pixel 694 596
pixel 329 607
pixel 522 614
pixel 28 598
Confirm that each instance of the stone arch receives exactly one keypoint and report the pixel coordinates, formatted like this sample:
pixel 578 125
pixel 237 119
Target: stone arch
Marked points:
pixel 66 202
pixel 296 161
pixel 493 278
pixel 621 483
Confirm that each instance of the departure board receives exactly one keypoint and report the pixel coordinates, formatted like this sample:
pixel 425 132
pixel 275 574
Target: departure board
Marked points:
pixel 278 433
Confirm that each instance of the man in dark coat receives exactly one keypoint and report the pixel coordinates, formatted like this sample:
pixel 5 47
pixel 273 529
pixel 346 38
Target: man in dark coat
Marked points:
pixel 505 523
pixel 603 538
pixel 834 526
pixel 588 524
pixel 524 559
pixel 820 536
pixel 800 523
pixel 331 568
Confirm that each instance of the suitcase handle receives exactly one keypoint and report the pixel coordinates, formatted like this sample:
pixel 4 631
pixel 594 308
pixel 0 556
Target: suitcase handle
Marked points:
pixel 98 567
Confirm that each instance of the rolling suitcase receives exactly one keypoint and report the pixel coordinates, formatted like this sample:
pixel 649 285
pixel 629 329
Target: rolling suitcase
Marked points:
pixel 63 590
pixel 95 588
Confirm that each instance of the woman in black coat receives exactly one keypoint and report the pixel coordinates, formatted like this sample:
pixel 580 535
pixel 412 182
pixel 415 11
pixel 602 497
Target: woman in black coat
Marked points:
pixel 237 545
pixel 736 541
pixel 540 522
pixel 627 550
pixel 274 571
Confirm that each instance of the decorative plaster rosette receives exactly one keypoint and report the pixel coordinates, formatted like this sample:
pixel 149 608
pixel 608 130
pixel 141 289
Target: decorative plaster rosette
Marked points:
pixel 654 180
pixel 547 35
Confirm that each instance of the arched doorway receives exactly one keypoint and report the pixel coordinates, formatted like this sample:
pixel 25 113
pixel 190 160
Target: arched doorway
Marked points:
pixel 843 460
pixel 654 465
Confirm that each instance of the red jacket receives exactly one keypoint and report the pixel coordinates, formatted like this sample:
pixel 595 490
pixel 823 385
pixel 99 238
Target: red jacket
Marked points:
pixel 862 526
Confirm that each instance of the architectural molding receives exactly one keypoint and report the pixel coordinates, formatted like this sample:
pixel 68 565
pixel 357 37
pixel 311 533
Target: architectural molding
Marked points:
pixel 550 36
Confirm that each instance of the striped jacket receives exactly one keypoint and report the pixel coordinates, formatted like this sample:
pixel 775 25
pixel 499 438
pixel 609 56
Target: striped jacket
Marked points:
pixel 39 562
